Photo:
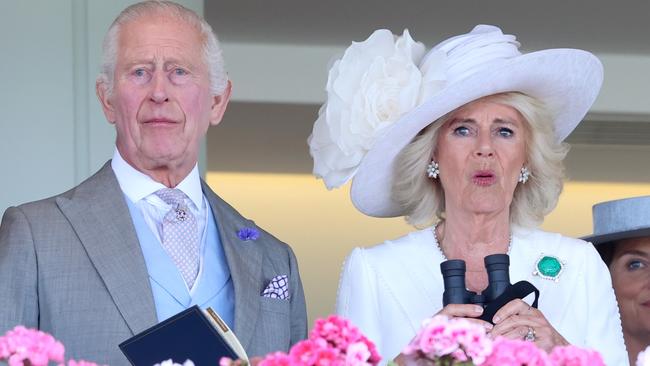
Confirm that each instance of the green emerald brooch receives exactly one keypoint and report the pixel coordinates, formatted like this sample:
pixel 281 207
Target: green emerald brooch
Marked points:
pixel 549 267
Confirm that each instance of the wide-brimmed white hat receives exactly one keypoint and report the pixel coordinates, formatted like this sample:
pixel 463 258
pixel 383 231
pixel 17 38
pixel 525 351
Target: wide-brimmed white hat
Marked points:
pixel 455 72
pixel 620 219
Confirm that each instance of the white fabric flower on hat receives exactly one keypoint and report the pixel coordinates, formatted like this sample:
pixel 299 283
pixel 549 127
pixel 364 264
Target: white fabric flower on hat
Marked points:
pixel 368 89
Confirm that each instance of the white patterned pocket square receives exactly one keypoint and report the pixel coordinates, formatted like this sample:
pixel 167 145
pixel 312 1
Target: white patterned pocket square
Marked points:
pixel 278 288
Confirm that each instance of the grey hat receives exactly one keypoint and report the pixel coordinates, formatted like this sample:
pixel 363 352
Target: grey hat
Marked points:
pixel 620 219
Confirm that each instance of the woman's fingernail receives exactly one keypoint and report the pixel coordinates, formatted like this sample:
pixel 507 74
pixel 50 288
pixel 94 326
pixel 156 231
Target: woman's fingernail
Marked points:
pixel 478 309
pixel 488 326
pixel 496 319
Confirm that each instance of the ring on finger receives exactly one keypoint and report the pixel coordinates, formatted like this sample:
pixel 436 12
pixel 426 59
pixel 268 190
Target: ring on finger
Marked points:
pixel 530 335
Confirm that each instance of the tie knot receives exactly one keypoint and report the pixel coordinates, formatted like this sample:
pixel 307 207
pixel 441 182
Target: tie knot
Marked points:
pixel 172 196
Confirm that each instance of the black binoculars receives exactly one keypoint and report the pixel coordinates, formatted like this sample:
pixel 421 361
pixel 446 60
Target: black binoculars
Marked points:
pixel 498 292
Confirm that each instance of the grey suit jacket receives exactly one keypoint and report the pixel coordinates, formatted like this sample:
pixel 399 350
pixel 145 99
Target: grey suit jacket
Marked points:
pixel 71 265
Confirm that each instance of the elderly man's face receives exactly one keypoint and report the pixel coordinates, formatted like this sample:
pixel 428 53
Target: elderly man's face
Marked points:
pixel 630 270
pixel 161 103
pixel 481 150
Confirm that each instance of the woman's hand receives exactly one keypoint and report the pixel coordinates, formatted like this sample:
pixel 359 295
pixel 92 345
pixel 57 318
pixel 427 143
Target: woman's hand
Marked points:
pixel 518 320
pixel 468 311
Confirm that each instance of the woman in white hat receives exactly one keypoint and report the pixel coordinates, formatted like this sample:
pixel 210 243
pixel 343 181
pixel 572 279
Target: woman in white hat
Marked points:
pixel 622 237
pixel 465 141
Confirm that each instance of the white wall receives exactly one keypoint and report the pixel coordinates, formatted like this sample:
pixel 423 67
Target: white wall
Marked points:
pixel 37 99
pixel 52 131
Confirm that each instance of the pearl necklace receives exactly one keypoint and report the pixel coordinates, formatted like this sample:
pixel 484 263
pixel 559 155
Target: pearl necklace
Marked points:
pixel 437 243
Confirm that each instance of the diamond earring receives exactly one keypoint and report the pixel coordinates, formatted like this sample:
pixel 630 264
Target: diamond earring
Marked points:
pixel 524 174
pixel 432 170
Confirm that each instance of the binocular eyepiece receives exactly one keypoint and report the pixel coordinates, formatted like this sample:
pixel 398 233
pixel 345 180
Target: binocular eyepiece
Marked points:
pixel 498 293
pixel 453 274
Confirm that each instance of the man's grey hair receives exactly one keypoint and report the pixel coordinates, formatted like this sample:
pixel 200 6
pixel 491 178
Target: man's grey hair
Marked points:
pixel 423 199
pixel 211 49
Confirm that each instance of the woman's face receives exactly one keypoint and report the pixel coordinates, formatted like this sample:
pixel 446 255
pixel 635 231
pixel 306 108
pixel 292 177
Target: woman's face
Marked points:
pixel 480 151
pixel 630 270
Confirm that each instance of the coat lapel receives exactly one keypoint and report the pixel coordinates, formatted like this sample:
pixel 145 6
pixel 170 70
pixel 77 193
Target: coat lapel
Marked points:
pixel 245 263
pixel 415 277
pixel 99 215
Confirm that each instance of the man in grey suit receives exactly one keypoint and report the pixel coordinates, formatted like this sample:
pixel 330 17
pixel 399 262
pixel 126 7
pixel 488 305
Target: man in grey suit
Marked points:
pixel 145 237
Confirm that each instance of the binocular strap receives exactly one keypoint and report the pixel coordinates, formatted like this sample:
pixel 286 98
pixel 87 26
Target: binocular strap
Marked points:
pixel 518 290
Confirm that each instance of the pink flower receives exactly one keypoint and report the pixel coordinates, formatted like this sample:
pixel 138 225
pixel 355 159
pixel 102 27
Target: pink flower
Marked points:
pixel 453 339
pixel 477 346
pixel 374 358
pixel 39 348
pixel 328 357
pixel 333 341
pixel 276 359
pixel 305 352
pixel 339 333
pixel 226 361
pixel 575 356
pixel 508 352
pixel 459 355
pixel 335 330
pixel 357 354
pixel 433 339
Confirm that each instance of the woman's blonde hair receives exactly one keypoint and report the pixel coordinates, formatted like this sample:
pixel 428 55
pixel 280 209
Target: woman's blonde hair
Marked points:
pixel 423 198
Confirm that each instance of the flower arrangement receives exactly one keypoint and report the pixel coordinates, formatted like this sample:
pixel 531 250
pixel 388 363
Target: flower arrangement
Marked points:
pixel 333 341
pixel 449 341
pixel 30 347
pixel 445 342
pixel 441 341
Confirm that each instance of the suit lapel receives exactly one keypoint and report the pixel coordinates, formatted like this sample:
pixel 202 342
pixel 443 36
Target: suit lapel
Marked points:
pixel 245 264
pixel 99 215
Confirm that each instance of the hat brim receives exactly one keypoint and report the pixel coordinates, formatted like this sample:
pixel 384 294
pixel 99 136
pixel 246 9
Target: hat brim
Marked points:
pixel 567 81
pixel 610 237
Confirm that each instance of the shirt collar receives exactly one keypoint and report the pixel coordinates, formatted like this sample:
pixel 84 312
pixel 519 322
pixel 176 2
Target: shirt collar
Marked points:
pixel 137 185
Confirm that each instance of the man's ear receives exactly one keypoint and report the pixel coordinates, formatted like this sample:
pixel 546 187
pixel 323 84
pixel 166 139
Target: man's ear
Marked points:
pixel 104 99
pixel 219 104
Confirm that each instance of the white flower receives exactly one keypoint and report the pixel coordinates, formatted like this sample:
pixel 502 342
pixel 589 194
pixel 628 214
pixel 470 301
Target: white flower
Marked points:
pixel 171 363
pixel 368 89
pixel 643 359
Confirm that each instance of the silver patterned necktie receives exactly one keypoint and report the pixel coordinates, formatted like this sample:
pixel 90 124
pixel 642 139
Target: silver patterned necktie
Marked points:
pixel 180 237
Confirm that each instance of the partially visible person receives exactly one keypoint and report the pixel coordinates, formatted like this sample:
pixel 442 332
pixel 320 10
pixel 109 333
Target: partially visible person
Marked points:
pixel 145 237
pixel 467 137
pixel 622 237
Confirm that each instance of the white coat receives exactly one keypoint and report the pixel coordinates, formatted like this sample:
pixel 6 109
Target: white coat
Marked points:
pixel 389 289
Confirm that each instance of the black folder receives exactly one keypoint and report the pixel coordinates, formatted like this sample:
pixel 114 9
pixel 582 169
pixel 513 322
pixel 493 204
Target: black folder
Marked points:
pixel 188 335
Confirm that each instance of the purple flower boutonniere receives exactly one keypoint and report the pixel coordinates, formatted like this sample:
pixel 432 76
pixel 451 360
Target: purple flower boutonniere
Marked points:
pixel 248 234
